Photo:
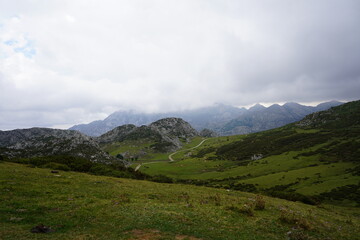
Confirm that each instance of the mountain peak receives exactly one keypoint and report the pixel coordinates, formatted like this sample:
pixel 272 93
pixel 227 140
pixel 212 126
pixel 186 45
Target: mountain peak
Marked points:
pixel 327 105
pixel 257 107
pixel 275 106
pixel 175 127
pixel 292 104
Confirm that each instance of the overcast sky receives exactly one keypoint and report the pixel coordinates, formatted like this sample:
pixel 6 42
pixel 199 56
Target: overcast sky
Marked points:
pixel 64 62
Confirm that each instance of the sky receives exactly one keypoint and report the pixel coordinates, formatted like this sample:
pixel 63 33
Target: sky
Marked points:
pixel 65 62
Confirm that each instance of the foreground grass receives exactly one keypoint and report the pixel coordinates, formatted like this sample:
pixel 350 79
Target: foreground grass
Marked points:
pixel 82 206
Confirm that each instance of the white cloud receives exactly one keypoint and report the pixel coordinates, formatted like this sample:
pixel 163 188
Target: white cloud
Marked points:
pixel 66 62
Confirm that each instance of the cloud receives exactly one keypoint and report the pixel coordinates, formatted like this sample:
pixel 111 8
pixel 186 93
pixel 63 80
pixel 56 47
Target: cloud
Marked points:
pixel 66 62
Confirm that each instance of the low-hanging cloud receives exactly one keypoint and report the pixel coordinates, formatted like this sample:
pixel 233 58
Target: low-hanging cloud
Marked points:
pixel 67 62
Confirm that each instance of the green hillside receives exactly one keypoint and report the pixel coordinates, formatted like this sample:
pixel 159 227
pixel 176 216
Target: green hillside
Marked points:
pixel 314 160
pixel 152 142
pixel 81 206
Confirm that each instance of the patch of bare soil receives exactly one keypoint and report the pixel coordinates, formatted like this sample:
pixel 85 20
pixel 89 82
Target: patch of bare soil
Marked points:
pixel 153 234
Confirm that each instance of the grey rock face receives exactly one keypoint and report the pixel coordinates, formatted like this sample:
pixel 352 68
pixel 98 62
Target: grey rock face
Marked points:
pixel 174 127
pixel 36 142
pixel 167 133
pixel 208 133
pixel 117 134
pixel 172 130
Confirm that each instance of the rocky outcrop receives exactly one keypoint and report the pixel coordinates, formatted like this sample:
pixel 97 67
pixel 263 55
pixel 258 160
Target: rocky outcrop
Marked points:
pixel 174 127
pixel 168 134
pixel 35 142
pixel 208 133
pixel 117 134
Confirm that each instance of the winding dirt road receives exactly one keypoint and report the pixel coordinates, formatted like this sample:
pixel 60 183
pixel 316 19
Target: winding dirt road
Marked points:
pixel 172 154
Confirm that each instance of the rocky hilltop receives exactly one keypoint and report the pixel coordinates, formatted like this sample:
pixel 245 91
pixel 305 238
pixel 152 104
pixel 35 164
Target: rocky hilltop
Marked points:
pixel 168 134
pixel 35 142
pixel 208 133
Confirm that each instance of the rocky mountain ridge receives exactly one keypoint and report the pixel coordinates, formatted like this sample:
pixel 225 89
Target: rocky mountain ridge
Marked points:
pixel 259 118
pixel 35 142
pixel 207 117
pixel 340 117
pixel 220 118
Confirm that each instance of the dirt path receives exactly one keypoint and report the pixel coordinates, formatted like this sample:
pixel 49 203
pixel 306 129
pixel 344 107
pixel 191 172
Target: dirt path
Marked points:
pixel 172 154
pixel 138 166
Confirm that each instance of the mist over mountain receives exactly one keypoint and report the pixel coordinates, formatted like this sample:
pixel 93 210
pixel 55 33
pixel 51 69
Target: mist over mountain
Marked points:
pixel 208 117
pixel 260 118
pixel 221 118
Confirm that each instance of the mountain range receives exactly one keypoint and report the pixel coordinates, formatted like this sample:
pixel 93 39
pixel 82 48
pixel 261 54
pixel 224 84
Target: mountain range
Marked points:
pixel 164 135
pixel 315 161
pixel 221 118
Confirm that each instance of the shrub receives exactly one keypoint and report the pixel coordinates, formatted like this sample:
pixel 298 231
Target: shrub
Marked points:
pixel 162 179
pixel 100 169
pixel 56 166
pixel 216 199
pixel 247 209
pixel 259 202
pixel 78 164
pixel 292 217
pixel 184 196
pixel 297 234
pixel 293 196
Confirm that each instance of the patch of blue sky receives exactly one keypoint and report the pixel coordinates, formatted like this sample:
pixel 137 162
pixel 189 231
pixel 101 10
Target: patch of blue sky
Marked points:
pixel 28 52
pixel 3 55
pixel 11 42
pixel 28 49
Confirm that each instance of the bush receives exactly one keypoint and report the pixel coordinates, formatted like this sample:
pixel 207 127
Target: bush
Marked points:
pixel 292 217
pixel 216 199
pixel 56 166
pixel 79 164
pixel 100 169
pixel 259 202
pixel 297 234
pixel 294 196
pixel 247 209
pixel 161 179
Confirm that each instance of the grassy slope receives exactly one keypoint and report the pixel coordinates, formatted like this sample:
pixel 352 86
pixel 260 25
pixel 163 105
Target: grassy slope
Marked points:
pixel 312 160
pixel 135 148
pixel 82 206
